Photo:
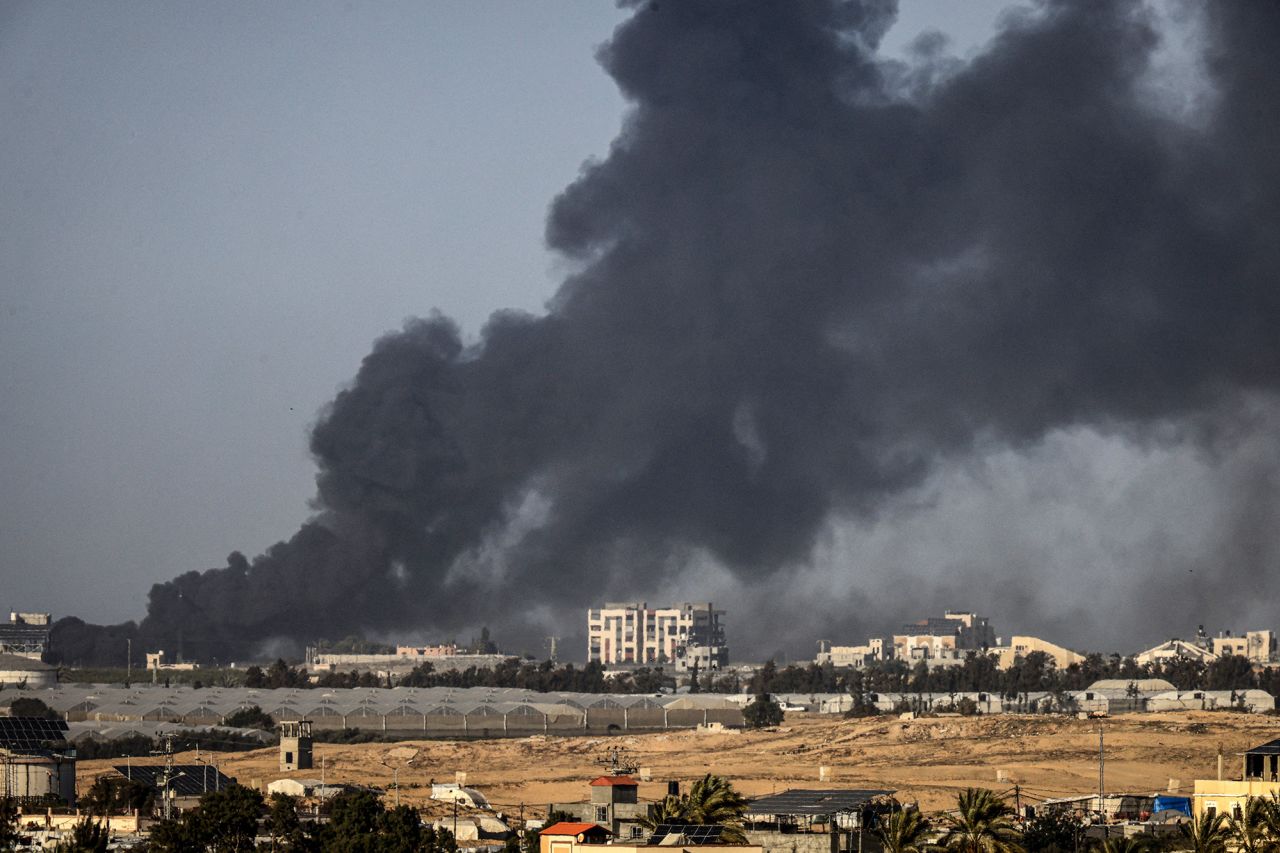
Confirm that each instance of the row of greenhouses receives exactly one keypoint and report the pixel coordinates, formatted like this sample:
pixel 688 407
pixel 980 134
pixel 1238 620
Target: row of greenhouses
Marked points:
pixel 432 711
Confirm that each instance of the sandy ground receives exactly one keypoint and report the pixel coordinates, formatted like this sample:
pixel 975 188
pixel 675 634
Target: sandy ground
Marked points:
pixel 925 760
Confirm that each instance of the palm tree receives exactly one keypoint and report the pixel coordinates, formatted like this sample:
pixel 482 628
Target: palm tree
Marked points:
pixel 983 823
pixel 711 800
pixel 1205 834
pixel 669 809
pixel 1254 830
pixel 905 831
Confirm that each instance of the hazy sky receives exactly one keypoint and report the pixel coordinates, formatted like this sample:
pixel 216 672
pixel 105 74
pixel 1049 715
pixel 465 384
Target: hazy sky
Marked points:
pixel 211 210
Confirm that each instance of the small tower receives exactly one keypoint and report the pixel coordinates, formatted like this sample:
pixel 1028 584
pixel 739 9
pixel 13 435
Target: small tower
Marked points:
pixel 295 745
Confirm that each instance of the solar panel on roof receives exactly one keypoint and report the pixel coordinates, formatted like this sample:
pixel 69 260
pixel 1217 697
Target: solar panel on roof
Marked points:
pixel 813 802
pixel 31 733
pixel 706 834
pixel 188 780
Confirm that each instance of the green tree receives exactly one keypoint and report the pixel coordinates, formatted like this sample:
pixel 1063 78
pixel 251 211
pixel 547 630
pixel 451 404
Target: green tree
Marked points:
pixel 400 831
pixel 8 822
pixel 25 706
pixel 229 818
pixel 283 824
pixel 711 800
pixel 1051 832
pixel 1230 672
pixel 763 712
pixel 1205 834
pixel 982 823
pixel 905 831
pixel 252 717
pixel 255 678
pixel 118 795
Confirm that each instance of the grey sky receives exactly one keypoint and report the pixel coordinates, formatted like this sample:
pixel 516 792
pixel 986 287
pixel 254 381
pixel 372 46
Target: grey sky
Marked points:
pixel 212 210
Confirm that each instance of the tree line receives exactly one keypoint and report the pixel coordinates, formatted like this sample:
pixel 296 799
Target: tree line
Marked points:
pixel 1033 673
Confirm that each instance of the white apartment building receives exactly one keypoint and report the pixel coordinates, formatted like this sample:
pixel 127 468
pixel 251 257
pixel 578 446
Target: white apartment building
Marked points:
pixel 681 635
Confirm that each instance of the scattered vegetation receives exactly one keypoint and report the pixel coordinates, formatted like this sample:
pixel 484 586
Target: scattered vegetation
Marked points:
pixel 25 706
pixel 252 717
pixel 762 712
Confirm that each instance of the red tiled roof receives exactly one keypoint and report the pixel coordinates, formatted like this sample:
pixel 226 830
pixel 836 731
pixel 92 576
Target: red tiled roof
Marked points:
pixel 601 781
pixel 564 827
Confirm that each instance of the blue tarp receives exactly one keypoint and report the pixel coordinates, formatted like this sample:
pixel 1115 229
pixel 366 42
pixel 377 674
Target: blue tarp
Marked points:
pixel 1176 804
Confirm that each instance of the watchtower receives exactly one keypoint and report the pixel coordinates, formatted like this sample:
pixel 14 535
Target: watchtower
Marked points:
pixel 295 745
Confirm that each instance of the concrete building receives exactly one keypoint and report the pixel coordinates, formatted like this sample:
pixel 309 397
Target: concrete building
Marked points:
pixel 1175 649
pixel 26 634
pixel 574 837
pixel 441 651
pixel 1260 777
pixel 947 636
pixel 158 660
pixel 36 760
pixel 295 745
pixel 614 804
pixel 25 672
pixel 683 635
pixel 1020 647
pixel 1258 646
pixel 875 649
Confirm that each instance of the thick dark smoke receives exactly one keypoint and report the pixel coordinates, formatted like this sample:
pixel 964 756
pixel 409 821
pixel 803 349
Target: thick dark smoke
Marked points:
pixel 806 277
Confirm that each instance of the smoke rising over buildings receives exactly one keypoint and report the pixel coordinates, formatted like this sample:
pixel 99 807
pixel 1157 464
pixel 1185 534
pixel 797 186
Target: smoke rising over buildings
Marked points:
pixel 809 282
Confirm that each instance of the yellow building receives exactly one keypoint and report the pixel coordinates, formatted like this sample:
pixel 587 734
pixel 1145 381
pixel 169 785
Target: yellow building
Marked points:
pixel 1020 647
pixel 1260 778
pixel 567 837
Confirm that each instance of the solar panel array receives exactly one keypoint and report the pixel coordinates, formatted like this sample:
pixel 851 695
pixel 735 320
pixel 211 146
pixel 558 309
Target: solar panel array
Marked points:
pixel 188 780
pixel 708 834
pixel 31 734
pixel 813 802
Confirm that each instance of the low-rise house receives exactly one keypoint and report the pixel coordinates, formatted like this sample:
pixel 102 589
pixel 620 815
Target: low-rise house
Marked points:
pixel 586 837
pixel 566 836
pixel 614 804
pixel 814 820
pixel 1260 778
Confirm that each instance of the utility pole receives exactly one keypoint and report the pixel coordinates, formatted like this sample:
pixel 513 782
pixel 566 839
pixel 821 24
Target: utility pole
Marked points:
pixel 128 661
pixel 167 777
pixel 551 643
pixel 1101 764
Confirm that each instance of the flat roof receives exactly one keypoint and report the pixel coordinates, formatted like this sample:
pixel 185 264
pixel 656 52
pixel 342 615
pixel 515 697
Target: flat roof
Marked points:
pixel 813 802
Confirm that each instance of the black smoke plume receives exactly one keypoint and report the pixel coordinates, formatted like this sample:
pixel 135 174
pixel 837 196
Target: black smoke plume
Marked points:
pixel 805 276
